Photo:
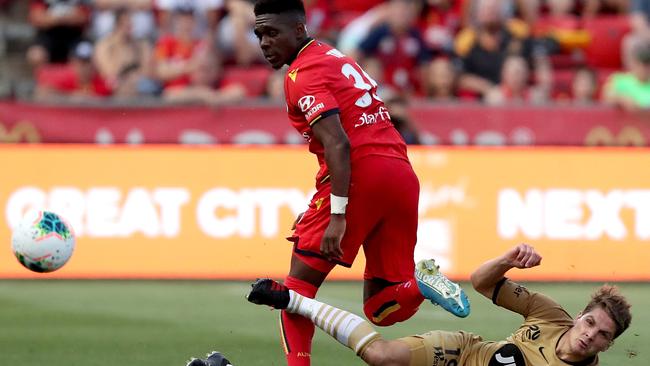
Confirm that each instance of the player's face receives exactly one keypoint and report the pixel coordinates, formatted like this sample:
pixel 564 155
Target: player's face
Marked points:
pixel 592 332
pixel 279 37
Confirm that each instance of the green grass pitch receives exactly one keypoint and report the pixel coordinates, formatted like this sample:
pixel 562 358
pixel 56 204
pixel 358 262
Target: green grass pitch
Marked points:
pixel 163 323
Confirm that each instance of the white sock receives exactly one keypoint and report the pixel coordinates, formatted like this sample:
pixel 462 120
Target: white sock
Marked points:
pixel 347 328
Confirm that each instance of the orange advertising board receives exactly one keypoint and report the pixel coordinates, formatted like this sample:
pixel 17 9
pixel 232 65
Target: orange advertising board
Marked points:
pixel 224 212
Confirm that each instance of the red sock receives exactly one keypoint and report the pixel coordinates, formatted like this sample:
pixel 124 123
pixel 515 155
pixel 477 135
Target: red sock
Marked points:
pixel 297 331
pixel 393 304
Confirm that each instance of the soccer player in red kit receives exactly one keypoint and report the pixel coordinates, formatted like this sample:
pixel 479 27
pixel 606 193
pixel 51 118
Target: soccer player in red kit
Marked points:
pixel 366 190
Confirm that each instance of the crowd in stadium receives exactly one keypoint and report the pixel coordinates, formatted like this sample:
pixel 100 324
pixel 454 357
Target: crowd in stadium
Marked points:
pixel 204 51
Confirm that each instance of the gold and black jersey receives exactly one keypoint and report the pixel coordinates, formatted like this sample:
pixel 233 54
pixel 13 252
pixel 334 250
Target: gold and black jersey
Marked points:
pixel 545 321
pixel 533 344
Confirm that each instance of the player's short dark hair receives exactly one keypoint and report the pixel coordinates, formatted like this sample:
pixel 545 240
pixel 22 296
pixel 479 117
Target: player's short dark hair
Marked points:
pixel 615 305
pixel 279 7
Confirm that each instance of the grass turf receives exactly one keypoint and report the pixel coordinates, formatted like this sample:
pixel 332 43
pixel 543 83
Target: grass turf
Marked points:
pixel 160 323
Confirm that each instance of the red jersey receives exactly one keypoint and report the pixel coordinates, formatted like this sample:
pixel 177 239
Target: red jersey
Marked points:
pixel 64 79
pixel 172 49
pixel 322 81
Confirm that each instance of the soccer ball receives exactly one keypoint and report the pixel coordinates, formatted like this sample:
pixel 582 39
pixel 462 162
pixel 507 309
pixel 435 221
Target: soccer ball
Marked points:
pixel 42 241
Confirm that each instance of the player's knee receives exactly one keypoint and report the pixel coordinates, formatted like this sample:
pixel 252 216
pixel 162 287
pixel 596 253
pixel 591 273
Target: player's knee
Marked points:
pixel 378 315
pixel 386 314
pixel 383 322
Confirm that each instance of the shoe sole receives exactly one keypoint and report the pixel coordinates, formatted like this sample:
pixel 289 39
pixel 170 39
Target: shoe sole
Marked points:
pixel 430 292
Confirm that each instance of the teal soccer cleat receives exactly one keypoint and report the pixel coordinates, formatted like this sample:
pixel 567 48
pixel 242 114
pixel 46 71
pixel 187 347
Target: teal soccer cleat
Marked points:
pixel 439 289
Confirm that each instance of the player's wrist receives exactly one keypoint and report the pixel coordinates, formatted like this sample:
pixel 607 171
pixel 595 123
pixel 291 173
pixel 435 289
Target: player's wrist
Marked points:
pixel 338 204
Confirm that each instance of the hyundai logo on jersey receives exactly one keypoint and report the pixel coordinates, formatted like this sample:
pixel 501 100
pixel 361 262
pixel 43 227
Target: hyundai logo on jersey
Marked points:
pixel 306 102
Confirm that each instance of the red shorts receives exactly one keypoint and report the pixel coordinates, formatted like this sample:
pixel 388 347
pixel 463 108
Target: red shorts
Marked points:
pixel 382 215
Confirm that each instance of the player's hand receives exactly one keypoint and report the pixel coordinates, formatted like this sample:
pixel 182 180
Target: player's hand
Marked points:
pixel 330 246
pixel 523 256
pixel 297 220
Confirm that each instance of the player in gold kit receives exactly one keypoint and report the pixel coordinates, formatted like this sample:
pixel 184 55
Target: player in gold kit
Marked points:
pixel 548 336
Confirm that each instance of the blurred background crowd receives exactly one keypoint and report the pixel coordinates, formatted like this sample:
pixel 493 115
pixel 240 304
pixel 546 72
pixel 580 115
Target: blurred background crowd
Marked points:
pixel 496 52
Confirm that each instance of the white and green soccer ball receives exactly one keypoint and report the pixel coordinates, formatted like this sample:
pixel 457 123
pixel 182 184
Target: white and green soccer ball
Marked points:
pixel 42 241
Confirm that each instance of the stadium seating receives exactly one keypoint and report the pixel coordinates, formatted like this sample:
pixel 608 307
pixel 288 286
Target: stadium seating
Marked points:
pixel 563 78
pixel 51 74
pixel 253 78
pixel 607 32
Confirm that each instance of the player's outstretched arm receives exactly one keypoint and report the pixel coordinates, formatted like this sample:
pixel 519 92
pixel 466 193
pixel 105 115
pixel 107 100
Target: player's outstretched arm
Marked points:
pixel 485 278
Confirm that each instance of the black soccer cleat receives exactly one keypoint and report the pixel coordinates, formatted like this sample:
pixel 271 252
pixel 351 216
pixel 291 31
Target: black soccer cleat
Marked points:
pixel 196 362
pixel 266 291
pixel 212 359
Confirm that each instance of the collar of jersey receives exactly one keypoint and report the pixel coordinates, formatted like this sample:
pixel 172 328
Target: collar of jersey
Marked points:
pixel 305 43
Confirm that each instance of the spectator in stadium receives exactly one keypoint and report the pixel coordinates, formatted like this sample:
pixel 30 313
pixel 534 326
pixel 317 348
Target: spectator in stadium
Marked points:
pixel 375 69
pixel 324 19
pixel 334 105
pixel 440 20
pixel 640 24
pixel 357 29
pixel 631 90
pixel 60 25
pixel 120 49
pixel 143 23
pixel 483 48
pixel 514 86
pixel 526 11
pixel 136 81
pixel 562 25
pixel 548 335
pixel 594 8
pixel 398 46
pixel 126 88
pixel 584 87
pixel 442 80
pixel 274 90
pixel 398 105
pixel 205 85
pixel 562 10
pixel 175 53
pixel 236 39
pixel 5 4
pixel 78 82
pixel 207 14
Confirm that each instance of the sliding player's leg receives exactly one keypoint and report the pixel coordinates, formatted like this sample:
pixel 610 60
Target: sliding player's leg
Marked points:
pixel 347 328
pixel 357 334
